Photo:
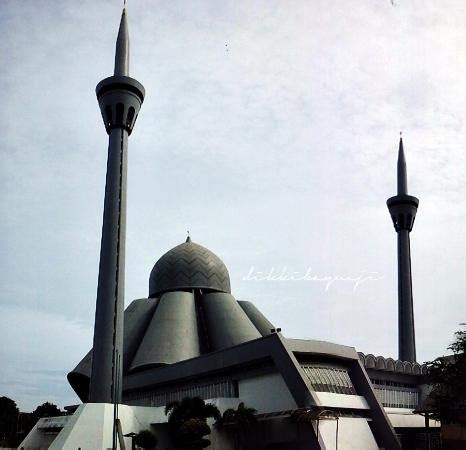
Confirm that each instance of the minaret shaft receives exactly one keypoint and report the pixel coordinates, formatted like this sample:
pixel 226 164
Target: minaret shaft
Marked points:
pixel 406 339
pixel 403 209
pixel 108 332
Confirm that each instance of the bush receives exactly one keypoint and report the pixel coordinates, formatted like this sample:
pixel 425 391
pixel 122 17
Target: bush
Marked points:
pixel 146 439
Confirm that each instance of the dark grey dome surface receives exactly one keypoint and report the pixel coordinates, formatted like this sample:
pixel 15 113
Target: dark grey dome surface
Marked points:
pixel 188 265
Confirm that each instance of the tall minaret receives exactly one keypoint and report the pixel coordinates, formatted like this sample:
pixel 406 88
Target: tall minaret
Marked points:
pixel 120 98
pixel 403 208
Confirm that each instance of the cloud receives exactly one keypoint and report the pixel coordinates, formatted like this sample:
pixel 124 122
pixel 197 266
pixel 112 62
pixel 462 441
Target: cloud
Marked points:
pixel 38 349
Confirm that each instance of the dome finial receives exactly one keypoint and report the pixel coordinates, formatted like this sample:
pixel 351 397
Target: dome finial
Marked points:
pixel 188 239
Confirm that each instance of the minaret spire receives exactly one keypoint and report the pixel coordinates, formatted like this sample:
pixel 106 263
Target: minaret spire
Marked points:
pixel 122 48
pixel 402 175
pixel 403 208
pixel 120 98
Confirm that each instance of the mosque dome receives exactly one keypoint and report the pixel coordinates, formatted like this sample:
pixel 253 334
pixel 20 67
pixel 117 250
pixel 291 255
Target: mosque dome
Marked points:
pixel 186 266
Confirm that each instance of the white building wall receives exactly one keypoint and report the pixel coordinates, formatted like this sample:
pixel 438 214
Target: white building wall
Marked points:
pixel 404 418
pixel 352 434
pixel 266 393
pixel 88 426
pixel 36 439
pixel 91 426
pixel 341 400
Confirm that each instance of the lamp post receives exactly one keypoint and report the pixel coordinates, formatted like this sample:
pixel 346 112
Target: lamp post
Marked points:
pixel 132 435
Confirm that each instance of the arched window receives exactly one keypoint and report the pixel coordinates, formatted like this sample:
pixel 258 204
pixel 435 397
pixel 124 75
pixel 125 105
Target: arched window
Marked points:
pixel 370 361
pixel 108 115
pixel 401 221
pixel 408 367
pixel 130 117
pixel 390 364
pixel 410 220
pixel 120 108
pixel 380 363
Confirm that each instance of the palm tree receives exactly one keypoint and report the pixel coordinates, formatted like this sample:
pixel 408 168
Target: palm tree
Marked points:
pixel 187 422
pixel 242 418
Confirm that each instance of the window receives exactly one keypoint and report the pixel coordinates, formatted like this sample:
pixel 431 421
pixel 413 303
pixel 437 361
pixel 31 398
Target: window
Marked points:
pixel 329 379
pixel 161 397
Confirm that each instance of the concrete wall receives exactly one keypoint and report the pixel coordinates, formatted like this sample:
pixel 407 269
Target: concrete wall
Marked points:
pixel 266 393
pixel 272 433
pixel 352 434
pixel 401 418
pixel 261 322
pixel 227 323
pixel 37 439
pixel 342 400
pixel 137 318
pixel 172 333
pixel 90 427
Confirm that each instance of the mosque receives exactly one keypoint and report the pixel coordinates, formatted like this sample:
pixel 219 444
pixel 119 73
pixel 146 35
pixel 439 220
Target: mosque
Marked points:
pixel 191 338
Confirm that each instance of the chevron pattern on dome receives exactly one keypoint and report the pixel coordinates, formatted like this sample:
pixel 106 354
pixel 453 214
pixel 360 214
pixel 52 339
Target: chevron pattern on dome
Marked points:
pixel 186 266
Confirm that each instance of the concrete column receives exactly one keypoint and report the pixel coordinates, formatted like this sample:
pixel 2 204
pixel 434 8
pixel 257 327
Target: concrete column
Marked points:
pixel 172 334
pixel 227 323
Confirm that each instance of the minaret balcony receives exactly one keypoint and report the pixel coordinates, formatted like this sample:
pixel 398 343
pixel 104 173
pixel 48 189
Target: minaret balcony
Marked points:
pixel 120 99
pixel 403 210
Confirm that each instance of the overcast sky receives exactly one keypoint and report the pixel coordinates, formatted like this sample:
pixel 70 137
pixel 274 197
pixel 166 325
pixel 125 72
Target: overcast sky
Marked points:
pixel 269 130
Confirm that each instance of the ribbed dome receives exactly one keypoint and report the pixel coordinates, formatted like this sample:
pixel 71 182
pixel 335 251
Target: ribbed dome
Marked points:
pixel 188 265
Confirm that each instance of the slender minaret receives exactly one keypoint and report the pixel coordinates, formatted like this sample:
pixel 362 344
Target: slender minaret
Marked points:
pixel 403 208
pixel 120 98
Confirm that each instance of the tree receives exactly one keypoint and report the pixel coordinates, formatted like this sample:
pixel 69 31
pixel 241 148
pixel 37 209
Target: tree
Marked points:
pixel 9 413
pixel 242 416
pixel 242 419
pixel 447 375
pixel 187 422
pixel 146 439
pixel 46 410
pixel 192 432
pixel 15 425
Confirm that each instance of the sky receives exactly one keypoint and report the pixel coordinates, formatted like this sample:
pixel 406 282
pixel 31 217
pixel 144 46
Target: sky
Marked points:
pixel 269 131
